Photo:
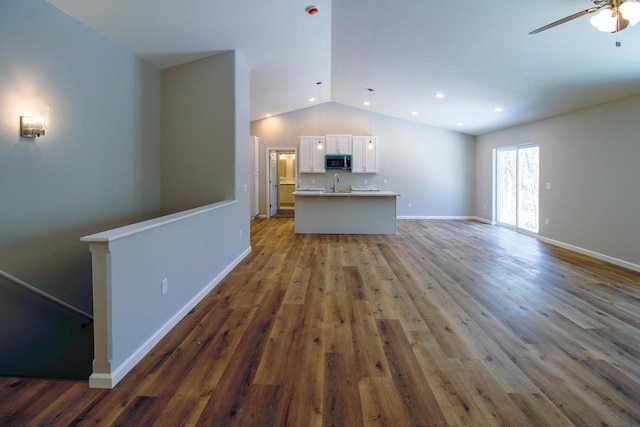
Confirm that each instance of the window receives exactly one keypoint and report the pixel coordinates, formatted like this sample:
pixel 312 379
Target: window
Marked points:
pixel 517 182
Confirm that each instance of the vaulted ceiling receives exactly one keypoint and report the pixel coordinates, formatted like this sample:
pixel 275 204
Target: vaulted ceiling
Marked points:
pixel 477 54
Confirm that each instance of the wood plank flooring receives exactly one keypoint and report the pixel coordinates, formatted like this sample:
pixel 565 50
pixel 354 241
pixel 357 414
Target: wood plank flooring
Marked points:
pixel 449 323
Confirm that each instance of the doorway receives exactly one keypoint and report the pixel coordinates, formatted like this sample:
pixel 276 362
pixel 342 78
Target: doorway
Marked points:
pixel 517 187
pixel 281 181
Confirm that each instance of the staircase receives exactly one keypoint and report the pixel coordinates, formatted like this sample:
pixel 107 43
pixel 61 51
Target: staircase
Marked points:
pixel 41 336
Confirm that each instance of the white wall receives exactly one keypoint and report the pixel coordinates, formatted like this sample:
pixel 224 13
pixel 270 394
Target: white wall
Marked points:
pixel 434 169
pixel 193 250
pixel 99 164
pixel 591 159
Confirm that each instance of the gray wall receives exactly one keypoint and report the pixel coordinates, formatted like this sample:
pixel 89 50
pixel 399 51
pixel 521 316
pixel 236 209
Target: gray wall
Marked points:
pixel 198 133
pixel 243 148
pixel 591 159
pixel 205 137
pixel 99 164
pixel 193 250
pixel 433 169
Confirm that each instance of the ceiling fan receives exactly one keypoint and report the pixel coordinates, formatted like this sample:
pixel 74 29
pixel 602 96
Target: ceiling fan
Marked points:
pixel 613 16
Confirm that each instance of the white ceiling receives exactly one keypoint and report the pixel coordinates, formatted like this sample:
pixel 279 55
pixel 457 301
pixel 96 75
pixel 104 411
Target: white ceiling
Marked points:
pixel 477 53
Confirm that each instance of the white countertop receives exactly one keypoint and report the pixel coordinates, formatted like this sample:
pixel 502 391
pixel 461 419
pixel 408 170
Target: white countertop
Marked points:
pixel 318 193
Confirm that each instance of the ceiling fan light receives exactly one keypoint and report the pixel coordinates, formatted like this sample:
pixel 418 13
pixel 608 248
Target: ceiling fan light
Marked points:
pixel 630 10
pixel 606 20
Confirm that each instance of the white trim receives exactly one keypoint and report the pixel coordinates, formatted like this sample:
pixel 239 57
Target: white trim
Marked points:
pixel 463 218
pixel 483 220
pixel 496 209
pixel 101 381
pixel 109 380
pixel 128 230
pixel 268 175
pixel 517 229
pixel 256 175
pixel 601 257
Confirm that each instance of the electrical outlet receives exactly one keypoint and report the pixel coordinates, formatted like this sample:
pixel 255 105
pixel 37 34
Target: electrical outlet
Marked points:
pixel 165 286
pixel 240 234
pixel 245 188
pixel 366 181
pixel 410 204
pixel 548 186
pixel 546 221
pixel 485 207
pixel 385 180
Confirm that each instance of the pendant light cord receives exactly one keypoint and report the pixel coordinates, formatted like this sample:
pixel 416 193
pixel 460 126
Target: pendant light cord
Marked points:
pixel 370 120
pixel 319 115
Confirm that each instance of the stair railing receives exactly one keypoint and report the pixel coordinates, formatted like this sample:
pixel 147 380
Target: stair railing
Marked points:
pixel 46 296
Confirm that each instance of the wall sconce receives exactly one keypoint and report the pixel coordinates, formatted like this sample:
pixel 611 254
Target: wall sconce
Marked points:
pixel 31 127
pixel 320 145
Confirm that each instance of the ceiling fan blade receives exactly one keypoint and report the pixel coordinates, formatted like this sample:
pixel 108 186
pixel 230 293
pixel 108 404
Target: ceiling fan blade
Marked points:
pixel 568 18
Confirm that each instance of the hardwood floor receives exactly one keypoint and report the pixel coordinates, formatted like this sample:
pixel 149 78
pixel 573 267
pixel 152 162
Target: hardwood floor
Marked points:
pixel 448 323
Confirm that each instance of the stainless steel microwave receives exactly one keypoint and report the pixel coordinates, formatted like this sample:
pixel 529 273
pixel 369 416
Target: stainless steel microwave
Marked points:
pixel 337 162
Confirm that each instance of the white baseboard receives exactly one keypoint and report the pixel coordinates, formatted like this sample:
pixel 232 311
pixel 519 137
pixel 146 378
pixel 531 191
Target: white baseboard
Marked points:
pixel 462 218
pixel 454 218
pixel 109 380
pixel 601 257
pixel 483 220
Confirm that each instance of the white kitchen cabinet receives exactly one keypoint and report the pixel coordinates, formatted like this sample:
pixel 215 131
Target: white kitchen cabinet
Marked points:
pixel 365 154
pixel 312 149
pixel 338 144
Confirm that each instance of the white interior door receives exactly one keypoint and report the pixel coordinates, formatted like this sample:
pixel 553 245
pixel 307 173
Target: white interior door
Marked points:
pixel 273 183
pixel 256 177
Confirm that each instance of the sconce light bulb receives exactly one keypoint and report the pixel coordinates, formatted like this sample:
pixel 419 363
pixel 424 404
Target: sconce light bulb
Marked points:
pixel 31 127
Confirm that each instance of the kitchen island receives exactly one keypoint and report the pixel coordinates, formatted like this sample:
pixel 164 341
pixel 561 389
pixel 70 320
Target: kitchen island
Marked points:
pixel 346 212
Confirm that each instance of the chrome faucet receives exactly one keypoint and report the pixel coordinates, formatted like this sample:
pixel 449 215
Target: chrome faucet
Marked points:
pixel 335 177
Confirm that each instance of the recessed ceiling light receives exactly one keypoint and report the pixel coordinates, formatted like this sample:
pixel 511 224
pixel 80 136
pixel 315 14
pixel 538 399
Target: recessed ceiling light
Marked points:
pixel 460 124
pixel 498 109
pixel 414 113
pixel 367 103
pixel 311 99
pixel 440 95
pixel 267 115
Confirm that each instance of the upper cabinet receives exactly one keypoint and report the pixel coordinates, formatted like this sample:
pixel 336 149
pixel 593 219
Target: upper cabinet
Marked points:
pixel 312 150
pixel 365 154
pixel 363 151
pixel 338 144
